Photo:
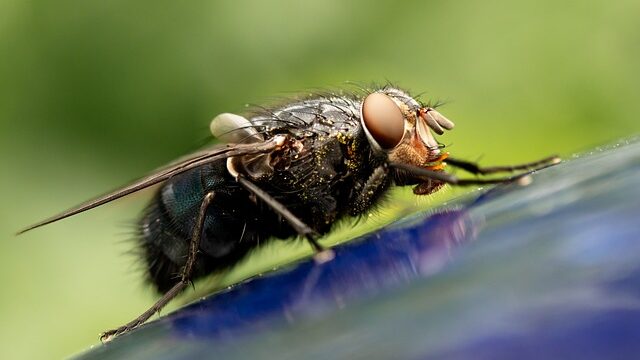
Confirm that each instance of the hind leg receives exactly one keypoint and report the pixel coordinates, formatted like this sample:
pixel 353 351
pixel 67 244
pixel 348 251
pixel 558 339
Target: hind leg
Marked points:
pixel 185 276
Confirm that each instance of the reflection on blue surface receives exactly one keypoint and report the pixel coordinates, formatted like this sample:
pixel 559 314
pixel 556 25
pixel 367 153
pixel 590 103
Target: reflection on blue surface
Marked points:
pixel 550 270
pixel 361 269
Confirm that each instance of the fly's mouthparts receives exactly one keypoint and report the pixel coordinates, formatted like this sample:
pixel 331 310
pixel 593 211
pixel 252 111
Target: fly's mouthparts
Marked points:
pixel 437 164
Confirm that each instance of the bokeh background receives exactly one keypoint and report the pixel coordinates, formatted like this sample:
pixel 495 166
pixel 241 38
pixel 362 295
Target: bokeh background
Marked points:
pixel 96 93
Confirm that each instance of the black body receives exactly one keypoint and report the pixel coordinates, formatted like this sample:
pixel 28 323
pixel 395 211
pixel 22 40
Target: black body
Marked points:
pixel 331 177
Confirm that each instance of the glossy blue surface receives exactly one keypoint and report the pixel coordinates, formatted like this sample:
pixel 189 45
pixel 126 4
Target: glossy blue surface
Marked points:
pixel 548 270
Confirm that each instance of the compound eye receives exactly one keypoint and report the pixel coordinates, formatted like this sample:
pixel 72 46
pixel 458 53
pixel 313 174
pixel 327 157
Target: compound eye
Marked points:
pixel 383 119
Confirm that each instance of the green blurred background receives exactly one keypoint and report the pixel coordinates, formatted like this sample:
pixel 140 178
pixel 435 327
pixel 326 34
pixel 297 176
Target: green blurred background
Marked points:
pixel 96 93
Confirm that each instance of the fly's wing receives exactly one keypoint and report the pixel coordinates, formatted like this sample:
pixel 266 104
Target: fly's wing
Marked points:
pixel 164 173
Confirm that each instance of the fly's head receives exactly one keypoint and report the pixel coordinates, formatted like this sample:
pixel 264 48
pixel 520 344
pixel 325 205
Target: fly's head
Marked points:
pixel 401 128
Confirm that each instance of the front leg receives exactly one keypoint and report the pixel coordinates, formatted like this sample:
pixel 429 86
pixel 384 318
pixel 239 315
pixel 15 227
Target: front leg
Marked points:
pixel 478 170
pixel 375 185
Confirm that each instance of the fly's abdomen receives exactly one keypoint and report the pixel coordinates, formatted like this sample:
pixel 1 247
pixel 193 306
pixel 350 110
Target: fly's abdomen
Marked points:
pixel 166 227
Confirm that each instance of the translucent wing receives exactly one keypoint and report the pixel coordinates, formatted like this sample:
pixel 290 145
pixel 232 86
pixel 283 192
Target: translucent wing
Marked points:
pixel 164 173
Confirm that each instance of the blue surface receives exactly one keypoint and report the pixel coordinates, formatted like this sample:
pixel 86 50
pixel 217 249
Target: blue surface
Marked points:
pixel 548 270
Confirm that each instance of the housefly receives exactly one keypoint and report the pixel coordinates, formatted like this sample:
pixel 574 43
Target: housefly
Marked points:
pixel 285 171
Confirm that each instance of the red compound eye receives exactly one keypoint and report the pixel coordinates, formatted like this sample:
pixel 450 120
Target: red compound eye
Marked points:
pixel 383 120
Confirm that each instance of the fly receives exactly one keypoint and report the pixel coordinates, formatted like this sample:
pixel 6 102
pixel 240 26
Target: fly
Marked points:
pixel 286 171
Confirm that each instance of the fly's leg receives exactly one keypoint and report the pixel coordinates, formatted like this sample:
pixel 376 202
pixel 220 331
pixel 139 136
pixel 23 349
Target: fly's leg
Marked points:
pixel 475 169
pixel 375 185
pixel 185 276
pixel 454 180
pixel 321 254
